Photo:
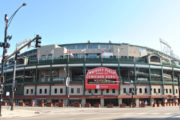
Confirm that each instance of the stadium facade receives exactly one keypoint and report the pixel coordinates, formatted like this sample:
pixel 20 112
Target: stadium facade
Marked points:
pixel 98 72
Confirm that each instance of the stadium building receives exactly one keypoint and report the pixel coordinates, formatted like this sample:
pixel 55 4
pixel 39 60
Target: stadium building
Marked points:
pixel 98 72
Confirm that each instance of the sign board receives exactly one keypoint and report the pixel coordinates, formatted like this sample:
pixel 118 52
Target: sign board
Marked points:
pixel 102 78
pixel 7 93
pixel 67 81
pixel 22 43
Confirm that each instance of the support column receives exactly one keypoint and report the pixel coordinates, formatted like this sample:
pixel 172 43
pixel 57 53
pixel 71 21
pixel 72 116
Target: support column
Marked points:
pixel 102 102
pixel 36 79
pixel 165 100
pixel 173 81
pixel 176 100
pixel 162 77
pixel 150 86
pixel 65 101
pixel 119 101
pixel 119 74
pixel 83 102
pixel 151 101
pixel 51 79
pixel 84 73
pixel 137 102
pixel 135 91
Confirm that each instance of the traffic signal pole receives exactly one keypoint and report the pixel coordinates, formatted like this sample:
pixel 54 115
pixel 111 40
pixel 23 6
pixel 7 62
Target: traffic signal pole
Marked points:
pixel 4 60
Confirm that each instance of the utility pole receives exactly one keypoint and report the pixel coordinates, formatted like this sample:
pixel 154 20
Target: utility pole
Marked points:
pixel 13 82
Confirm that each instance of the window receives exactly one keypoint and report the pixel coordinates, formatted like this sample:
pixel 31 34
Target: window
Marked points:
pixel 49 56
pixel 45 91
pixel 92 46
pixel 95 91
pixel 130 90
pixel 43 57
pixel 72 90
pixel 140 90
pixel 61 90
pixel 71 47
pixel 55 90
pixel 81 47
pixel 170 91
pixel 78 90
pixel 145 90
pixel 166 90
pixel 31 91
pixel 27 91
pixel 92 55
pixel 176 90
pixel 159 90
pixel 107 90
pixel 124 90
pixel 113 90
pixel 89 91
pixel 154 90
pixel 40 91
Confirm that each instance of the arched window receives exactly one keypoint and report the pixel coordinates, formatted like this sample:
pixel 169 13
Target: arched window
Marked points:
pixel 155 59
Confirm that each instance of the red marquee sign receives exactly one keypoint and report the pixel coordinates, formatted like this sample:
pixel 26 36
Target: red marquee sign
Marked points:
pixel 101 78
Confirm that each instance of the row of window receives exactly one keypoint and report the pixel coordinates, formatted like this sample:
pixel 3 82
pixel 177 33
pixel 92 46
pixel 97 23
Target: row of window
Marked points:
pixel 96 91
pixel 145 90
pixel 78 90
pixel 90 46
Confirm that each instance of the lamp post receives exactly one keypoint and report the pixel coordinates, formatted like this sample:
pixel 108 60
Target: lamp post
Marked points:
pixel 6 45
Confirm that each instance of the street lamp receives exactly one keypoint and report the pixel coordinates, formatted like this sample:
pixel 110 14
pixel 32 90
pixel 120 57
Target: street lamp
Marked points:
pixel 6 45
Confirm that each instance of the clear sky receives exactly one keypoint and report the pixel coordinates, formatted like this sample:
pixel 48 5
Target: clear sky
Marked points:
pixel 138 22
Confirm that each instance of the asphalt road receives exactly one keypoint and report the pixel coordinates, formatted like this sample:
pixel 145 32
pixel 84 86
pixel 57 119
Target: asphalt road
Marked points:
pixel 56 113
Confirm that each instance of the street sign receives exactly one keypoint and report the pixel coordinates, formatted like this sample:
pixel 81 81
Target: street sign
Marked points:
pixel 22 42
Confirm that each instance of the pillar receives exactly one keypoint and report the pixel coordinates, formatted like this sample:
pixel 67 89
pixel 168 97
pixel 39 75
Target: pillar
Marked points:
pixel 137 102
pixel 65 101
pixel 102 102
pixel 83 102
pixel 119 101
pixel 165 100
pixel 151 101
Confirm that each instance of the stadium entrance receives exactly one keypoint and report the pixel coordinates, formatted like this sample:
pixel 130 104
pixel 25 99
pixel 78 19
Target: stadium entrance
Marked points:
pixel 93 101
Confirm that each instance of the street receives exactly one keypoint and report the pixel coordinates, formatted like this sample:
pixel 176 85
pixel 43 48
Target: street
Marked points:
pixel 71 113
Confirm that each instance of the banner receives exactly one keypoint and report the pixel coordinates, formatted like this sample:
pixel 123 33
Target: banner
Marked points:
pixel 102 78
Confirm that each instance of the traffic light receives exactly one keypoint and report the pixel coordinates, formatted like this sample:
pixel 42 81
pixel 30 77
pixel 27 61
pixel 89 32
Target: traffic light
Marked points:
pixel 38 41
pixel 5 45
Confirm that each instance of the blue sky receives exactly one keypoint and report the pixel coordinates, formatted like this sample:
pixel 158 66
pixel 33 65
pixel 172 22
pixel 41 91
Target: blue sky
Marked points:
pixel 138 22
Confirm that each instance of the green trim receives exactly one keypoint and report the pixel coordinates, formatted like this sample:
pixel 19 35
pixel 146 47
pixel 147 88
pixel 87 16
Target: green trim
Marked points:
pixel 150 86
pixel 162 77
pixel 173 81
pixel 84 72
pixel 51 79
pixel 135 79
pixel 119 74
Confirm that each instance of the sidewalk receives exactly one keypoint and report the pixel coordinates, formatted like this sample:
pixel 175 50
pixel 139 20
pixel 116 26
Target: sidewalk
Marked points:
pixel 17 112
